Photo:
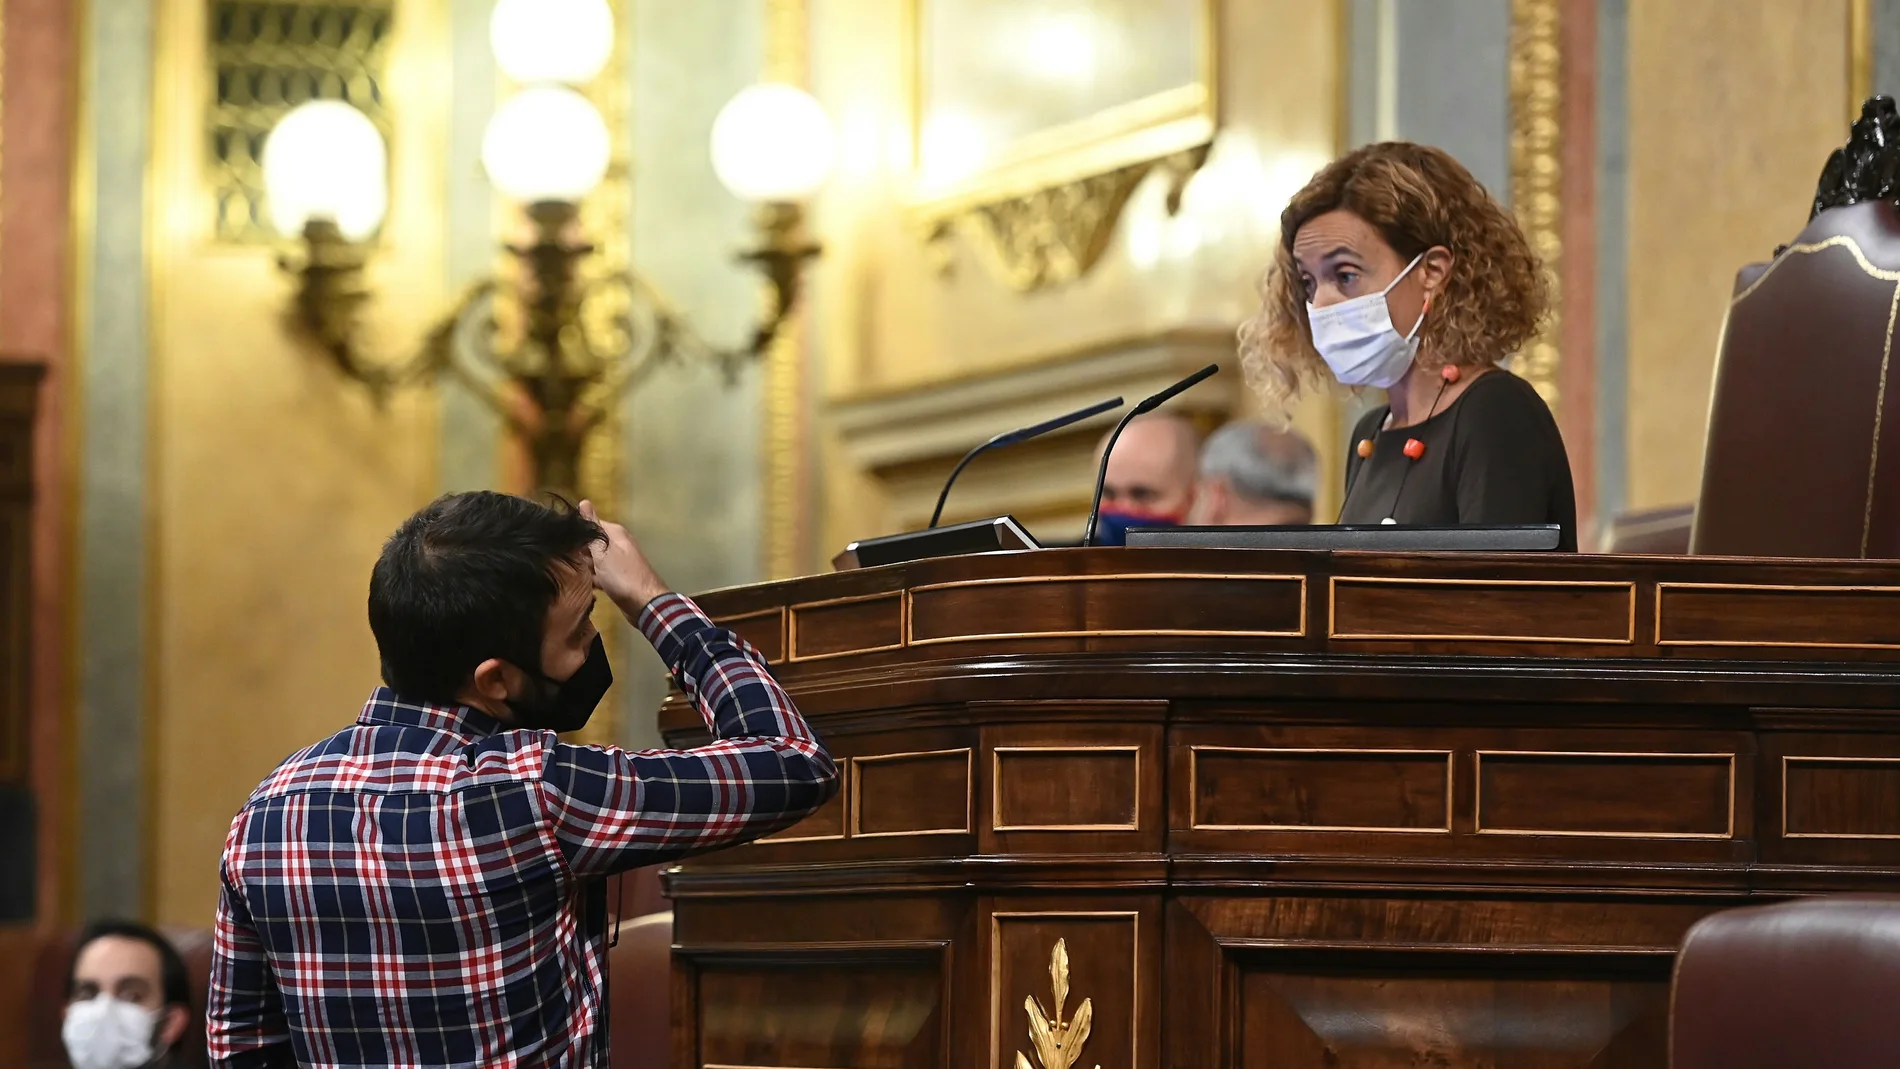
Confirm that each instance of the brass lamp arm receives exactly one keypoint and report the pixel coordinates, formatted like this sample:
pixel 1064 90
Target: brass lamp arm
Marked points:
pixel 440 353
pixel 569 371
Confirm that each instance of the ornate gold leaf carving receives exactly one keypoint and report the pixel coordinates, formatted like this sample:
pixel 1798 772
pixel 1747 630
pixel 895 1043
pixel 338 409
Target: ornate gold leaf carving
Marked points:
pixel 266 57
pixel 1054 235
pixel 1057 1043
pixel 1537 168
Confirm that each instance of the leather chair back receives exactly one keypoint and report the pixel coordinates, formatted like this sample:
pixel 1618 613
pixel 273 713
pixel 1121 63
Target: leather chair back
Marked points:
pixel 1810 984
pixel 640 992
pixel 1801 425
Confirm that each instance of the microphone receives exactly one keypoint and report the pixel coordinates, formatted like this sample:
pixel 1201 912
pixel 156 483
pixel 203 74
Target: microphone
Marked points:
pixel 1020 435
pixel 1148 404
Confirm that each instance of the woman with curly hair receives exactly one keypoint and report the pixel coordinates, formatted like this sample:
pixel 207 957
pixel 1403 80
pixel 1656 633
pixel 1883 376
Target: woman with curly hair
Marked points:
pixel 1397 270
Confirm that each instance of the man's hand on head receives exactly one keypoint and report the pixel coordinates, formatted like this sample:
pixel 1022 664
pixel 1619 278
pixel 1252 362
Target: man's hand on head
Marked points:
pixel 621 571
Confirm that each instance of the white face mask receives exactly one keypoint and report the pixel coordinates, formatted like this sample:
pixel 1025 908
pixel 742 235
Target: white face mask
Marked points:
pixel 1357 340
pixel 108 1033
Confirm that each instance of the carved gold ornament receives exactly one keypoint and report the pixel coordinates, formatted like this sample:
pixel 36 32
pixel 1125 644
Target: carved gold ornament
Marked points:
pixel 263 58
pixel 1058 1043
pixel 1537 169
pixel 1054 235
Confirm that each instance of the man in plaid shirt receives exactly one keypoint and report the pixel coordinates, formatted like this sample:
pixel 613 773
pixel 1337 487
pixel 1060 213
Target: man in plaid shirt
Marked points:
pixel 426 887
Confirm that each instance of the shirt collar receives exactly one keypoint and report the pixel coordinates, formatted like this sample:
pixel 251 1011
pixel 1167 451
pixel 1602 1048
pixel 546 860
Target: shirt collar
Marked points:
pixel 384 707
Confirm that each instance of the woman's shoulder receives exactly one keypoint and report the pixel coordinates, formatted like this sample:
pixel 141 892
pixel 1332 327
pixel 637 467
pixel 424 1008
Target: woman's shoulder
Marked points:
pixel 1503 397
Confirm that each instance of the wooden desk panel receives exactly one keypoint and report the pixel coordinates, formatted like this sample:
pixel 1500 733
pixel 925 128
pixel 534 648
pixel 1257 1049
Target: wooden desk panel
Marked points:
pixel 1298 808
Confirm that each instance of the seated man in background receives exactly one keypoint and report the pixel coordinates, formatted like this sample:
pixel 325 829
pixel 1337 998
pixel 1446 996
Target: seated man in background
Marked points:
pixel 128 999
pixel 427 887
pixel 1255 475
pixel 1150 479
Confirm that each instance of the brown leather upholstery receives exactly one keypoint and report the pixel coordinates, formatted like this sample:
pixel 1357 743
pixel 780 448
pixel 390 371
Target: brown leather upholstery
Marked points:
pixel 639 989
pixel 1795 438
pixel 638 981
pixel 1808 984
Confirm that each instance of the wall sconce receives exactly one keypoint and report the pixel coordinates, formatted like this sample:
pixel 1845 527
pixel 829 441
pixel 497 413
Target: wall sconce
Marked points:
pixel 546 147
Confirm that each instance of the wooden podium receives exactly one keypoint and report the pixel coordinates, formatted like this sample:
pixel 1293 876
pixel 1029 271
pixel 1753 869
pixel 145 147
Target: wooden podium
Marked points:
pixel 1225 808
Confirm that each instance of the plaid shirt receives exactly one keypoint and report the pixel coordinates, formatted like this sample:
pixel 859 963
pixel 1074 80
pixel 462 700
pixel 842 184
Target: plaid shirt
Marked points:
pixel 426 888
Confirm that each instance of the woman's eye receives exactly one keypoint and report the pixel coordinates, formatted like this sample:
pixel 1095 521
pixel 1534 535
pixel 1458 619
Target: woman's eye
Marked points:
pixel 1306 286
pixel 1347 277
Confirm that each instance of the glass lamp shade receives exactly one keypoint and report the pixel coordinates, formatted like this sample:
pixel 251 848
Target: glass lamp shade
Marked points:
pixel 546 143
pixel 773 142
pixel 551 40
pixel 326 160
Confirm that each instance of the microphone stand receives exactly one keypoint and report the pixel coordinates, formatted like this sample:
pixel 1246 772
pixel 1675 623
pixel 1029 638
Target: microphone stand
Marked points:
pixel 1147 405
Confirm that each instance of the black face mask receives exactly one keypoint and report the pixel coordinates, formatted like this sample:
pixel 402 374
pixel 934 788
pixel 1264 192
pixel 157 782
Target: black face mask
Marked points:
pixel 564 705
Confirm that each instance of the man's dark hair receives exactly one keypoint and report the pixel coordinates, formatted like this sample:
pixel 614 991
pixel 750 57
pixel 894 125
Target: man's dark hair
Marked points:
pixel 468 578
pixel 171 965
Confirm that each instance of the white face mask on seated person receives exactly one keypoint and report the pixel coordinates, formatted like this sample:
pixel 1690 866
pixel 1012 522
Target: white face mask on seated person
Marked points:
pixel 1357 340
pixel 103 1032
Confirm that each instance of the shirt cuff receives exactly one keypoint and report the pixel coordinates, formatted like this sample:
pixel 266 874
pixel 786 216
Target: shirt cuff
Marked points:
pixel 667 620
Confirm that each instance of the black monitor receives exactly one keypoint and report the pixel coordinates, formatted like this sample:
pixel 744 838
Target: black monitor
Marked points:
pixel 978 536
pixel 1371 538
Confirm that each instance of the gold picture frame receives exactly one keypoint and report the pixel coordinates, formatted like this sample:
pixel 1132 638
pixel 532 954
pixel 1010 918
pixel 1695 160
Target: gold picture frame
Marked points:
pixel 1042 204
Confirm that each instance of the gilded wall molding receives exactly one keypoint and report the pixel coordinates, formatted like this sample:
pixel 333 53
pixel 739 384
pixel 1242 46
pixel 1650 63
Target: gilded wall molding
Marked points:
pixel 1055 234
pixel 1537 169
pixel 1042 209
pixel 787 59
pixel 265 58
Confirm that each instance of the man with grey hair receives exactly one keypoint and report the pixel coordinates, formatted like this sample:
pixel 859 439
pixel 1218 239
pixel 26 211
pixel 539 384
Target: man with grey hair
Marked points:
pixel 1253 474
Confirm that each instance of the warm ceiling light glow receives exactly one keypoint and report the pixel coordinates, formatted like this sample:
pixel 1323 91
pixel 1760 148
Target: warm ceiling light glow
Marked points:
pixel 326 160
pixel 773 143
pixel 546 143
pixel 565 41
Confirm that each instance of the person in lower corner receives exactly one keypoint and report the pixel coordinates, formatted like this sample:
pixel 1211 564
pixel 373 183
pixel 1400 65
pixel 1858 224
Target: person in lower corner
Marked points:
pixel 128 999
pixel 427 887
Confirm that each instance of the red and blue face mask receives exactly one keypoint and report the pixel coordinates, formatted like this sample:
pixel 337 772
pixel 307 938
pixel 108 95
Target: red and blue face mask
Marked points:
pixel 1113 524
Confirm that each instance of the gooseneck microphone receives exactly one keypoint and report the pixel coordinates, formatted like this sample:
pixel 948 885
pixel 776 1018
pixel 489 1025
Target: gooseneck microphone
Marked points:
pixel 1020 435
pixel 1148 404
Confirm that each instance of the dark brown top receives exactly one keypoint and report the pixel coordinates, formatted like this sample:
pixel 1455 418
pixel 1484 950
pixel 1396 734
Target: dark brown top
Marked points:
pixel 1494 457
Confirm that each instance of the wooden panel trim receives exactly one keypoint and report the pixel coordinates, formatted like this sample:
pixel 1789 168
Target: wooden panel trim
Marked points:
pixel 784 643
pixel 845 785
pixel 1299 632
pixel 818 951
pixel 1477 795
pixel 1194 794
pixel 1664 588
pixel 1788 759
pixel 1332 610
pixel 996 971
pixel 1231 944
pixel 969 793
pixel 792 656
pixel 996 788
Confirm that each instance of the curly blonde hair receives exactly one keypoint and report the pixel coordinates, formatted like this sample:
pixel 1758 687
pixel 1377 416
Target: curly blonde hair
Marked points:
pixel 1416 197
